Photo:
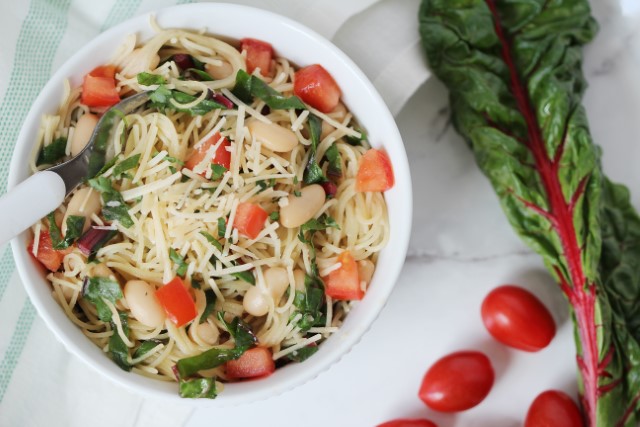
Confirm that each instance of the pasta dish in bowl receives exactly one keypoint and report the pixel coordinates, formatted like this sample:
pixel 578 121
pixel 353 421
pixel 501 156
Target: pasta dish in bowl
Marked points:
pixel 240 227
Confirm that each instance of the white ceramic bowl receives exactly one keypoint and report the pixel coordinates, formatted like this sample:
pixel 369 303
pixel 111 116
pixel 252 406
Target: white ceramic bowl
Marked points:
pixel 302 46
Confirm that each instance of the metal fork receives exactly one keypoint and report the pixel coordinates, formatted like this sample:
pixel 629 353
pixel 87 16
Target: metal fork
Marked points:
pixel 44 191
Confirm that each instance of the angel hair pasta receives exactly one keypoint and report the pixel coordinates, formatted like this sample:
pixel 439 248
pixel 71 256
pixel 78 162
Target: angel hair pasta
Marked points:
pixel 240 217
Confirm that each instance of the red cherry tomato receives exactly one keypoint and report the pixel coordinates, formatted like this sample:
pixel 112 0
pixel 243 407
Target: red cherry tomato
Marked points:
pixel 516 318
pixel 254 363
pixel 316 87
pixel 553 408
pixel 408 423
pixel 457 382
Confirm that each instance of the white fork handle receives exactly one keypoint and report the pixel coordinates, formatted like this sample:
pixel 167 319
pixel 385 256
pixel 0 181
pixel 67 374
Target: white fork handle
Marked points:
pixel 29 201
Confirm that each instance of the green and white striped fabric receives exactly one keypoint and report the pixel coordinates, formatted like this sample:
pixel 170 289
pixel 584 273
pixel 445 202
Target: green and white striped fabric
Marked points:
pixel 40 383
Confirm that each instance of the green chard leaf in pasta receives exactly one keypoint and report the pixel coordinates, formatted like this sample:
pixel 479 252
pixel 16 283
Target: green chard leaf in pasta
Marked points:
pixel 210 305
pixel 222 227
pixel 356 142
pixel 196 74
pixel 108 165
pixel 217 171
pixel 312 171
pixel 333 157
pixel 145 347
pixel 53 152
pixel 126 164
pixel 114 207
pixel 303 353
pixel 247 276
pixel 118 350
pixel 75 225
pixel 148 79
pixel 264 184
pixel 212 240
pixel 513 70
pixel 171 99
pixel 249 87
pixel 98 289
pixel 181 265
pixel 243 338
pixel 198 388
pixel 310 303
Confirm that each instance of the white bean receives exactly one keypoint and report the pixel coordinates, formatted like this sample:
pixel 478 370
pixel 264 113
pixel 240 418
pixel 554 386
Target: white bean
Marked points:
pixel 79 207
pixel 274 137
pixel 255 302
pixel 207 332
pixel 277 281
pixel 101 270
pixel 365 270
pixel 301 209
pixel 144 305
pixel 82 133
pixel 219 72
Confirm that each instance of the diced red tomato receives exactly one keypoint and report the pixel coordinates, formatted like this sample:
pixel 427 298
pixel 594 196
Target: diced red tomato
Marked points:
pixel 249 219
pixel 222 156
pixel 344 283
pixel 375 172
pixel 259 55
pixel 315 86
pixel 99 87
pixel 177 302
pixel 104 71
pixel 406 422
pixel 49 257
pixel 254 363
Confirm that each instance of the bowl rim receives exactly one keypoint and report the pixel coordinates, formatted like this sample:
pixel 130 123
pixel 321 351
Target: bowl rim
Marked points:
pixel 248 393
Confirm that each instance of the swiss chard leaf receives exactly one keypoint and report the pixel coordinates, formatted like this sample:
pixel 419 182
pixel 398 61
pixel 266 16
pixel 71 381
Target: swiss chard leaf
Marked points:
pixel 312 171
pixel 240 331
pixel 114 207
pixel 355 141
pixel 209 305
pixel 198 388
pixel 75 225
pixel 264 184
pixel 53 152
pixel 181 265
pixel 212 240
pixel 222 227
pixel 304 353
pixel 118 350
pixel 212 358
pixel 162 97
pixel 202 75
pixel 249 87
pixel 310 303
pixel 333 157
pixel 126 164
pixel 145 347
pixel 98 289
pixel 217 171
pixel 247 276
pixel 321 223
pixel 514 74
pixel 148 79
